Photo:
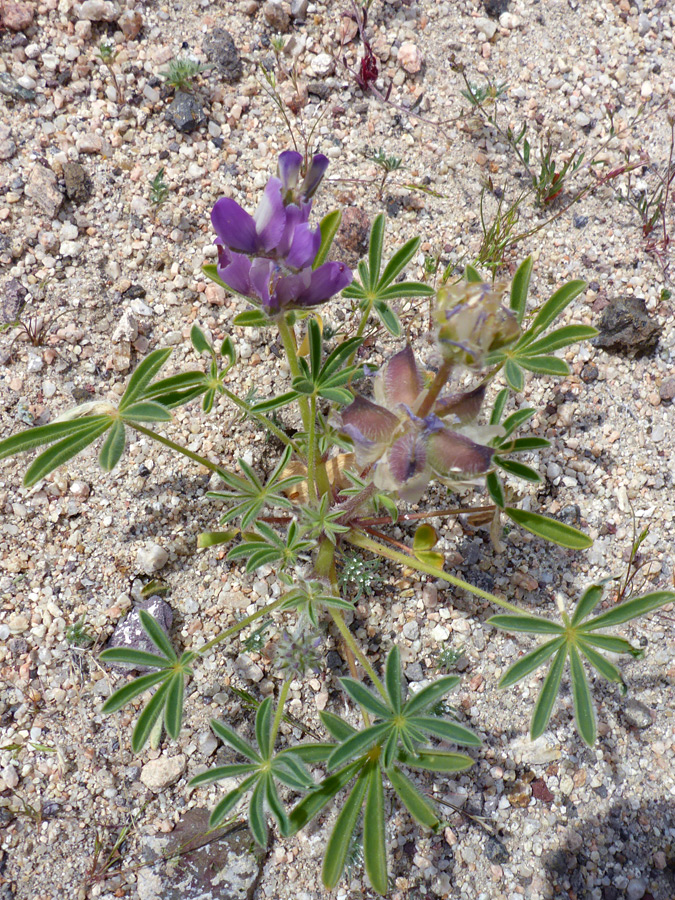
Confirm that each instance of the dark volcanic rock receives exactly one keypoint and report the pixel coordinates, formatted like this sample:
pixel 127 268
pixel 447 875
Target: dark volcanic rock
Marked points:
pixel 186 112
pixel 129 633
pixel 353 235
pixel 221 50
pixel 15 300
pixel 13 89
pixel 626 329
pixel 495 8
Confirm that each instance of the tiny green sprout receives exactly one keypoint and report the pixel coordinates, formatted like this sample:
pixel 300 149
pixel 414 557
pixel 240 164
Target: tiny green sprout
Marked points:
pixel 361 575
pixel 159 189
pixel 388 164
pixel 182 72
pixel 77 634
pixel 108 55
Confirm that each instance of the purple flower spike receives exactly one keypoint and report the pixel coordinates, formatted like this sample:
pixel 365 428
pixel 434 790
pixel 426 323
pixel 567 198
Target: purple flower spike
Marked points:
pixel 305 246
pixel 326 281
pixel 314 176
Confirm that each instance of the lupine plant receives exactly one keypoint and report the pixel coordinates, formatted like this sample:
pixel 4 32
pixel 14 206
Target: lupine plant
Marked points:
pixel 355 461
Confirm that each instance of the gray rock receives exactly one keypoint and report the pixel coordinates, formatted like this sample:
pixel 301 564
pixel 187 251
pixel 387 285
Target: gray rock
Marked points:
pixel 43 190
pixel 353 235
pixel 78 183
pixel 626 328
pixel 221 50
pixel 319 89
pixel 276 16
pixel 129 633
pixel 248 669
pixel 539 752
pixel 414 672
pixel 186 112
pixel 11 88
pixel 644 26
pixel 99 11
pixel 225 864
pixel 15 300
pixel 7 149
pixel 152 558
pixel 163 772
pixel 636 887
pixel 299 9
pixel 636 714
pixel 667 390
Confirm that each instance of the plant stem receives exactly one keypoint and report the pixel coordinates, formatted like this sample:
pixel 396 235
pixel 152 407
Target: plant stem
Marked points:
pixel 177 447
pixel 288 340
pixel 366 543
pixel 349 640
pixel 260 417
pixel 435 513
pixel 359 331
pixel 311 451
pixel 434 390
pixel 238 627
pixel 280 710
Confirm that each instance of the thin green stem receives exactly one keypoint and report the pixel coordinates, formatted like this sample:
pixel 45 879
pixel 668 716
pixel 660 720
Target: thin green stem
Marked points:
pixel 359 332
pixel 349 640
pixel 177 447
pixel 366 543
pixel 311 451
pixel 260 417
pixel 288 340
pixel 280 710
pixel 219 638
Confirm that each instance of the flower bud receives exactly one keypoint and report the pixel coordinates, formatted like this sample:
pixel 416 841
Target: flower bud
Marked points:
pixel 472 321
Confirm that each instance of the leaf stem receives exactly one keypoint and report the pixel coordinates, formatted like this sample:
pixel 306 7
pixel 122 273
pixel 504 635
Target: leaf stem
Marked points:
pixel 366 543
pixel 288 340
pixel 433 514
pixel 177 447
pixel 434 390
pixel 349 640
pixel 311 451
pixel 261 417
pixel 238 627
pixel 279 712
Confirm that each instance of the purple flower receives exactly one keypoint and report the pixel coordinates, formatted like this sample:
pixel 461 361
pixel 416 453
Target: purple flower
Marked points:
pixel 407 451
pixel 268 257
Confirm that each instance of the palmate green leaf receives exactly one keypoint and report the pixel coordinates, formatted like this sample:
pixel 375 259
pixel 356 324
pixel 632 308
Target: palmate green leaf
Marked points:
pixel 154 631
pixel 113 447
pixel 328 227
pixel 314 802
pixel 220 772
pixel 200 341
pixel 374 843
pixel 547 696
pixel 252 318
pixel 388 317
pixel 275 805
pixel 529 624
pixel 148 717
pixel 584 713
pixel 499 406
pixel 65 449
pixel 431 694
pixel 125 694
pixel 447 730
pixel 375 250
pixel 256 814
pixel 366 698
pixel 47 434
pixel 397 263
pixel 549 529
pixel 472 275
pixel 335 726
pixel 555 305
pixel 611 644
pixel 275 402
pixel 589 600
pixel 213 538
pixel 416 804
pixel 173 711
pixel 358 744
pixel 308 753
pixel 128 657
pixel 544 365
pixel 516 419
pixel 405 289
pixel 392 675
pixel 631 609
pixel 518 469
pixel 145 372
pixel 436 761
pixel 530 662
pixel 496 490
pixel 520 287
pixel 229 736
pixel 146 411
pixel 561 337
pixel 230 800
pixel 263 721
pixel 514 376
pixel 341 835
pixel 524 445
pixel 292 773
pixel 601 664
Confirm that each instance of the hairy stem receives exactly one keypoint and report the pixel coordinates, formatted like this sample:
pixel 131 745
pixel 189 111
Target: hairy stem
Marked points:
pixel 433 514
pixel 366 543
pixel 260 417
pixel 177 447
pixel 288 340
pixel 280 710
pixel 219 638
pixel 434 390
pixel 311 451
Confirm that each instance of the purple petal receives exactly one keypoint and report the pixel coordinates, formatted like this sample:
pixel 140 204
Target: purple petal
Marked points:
pixel 465 406
pixel 293 220
pixel 326 281
pixel 314 176
pixel 453 452
pixel 407 457
pixel 402 380
pixel 234 226
pixel 305 245
pixel 291 287
pixel 364 420
pixel 270 216
pixel 235 270
pixel 262 272
pixel 289 169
